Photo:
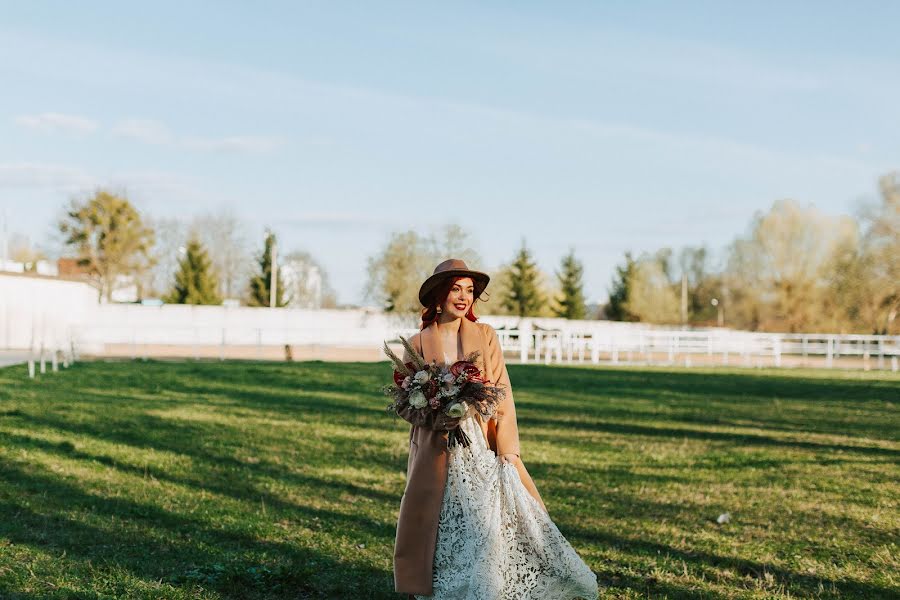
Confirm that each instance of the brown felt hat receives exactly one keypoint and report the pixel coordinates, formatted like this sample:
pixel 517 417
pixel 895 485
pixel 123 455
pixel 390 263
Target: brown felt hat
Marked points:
pixel 452 267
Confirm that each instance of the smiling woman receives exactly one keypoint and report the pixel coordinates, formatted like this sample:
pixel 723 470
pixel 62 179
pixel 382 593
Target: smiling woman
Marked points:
pixel 472 523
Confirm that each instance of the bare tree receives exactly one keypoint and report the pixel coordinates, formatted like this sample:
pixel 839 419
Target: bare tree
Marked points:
pixel 779 273
pixel 226 237
pixel 651 296
pixel 397 271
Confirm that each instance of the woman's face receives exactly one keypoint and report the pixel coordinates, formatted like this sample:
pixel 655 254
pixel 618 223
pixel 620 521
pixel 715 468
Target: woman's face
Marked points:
pixel 460 298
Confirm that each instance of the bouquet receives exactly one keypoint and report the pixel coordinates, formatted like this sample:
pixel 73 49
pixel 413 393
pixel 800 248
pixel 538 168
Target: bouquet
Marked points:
pixel 432 388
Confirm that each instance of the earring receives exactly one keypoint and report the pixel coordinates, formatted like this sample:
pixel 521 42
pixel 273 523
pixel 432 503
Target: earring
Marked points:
pixel 439 311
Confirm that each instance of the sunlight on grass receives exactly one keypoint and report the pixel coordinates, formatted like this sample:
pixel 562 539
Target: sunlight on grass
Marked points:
pixel 272 480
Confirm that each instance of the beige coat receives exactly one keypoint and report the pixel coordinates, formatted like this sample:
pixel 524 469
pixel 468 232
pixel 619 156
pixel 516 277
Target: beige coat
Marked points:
pixel 427 466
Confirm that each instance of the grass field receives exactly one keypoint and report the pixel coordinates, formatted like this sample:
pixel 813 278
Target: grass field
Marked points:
pixel 275 480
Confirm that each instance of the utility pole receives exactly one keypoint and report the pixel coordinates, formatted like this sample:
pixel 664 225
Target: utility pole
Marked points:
pixel 273 287
pixel 684 299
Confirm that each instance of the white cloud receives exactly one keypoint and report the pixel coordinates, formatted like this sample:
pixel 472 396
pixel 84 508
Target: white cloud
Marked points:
pixel 249 144
pixel 157 133
pixel 51 122
pixel 144 130
pixel 155 186
pixel 42 175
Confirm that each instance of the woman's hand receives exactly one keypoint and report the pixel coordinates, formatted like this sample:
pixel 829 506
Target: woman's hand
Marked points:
pixel 429 419
pixel 509 458
pixel 443 422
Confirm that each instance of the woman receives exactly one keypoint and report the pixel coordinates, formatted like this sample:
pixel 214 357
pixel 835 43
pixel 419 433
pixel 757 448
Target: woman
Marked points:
pixel 472 524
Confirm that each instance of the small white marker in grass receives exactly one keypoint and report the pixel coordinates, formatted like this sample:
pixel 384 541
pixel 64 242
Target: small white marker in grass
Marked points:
pixel 723 518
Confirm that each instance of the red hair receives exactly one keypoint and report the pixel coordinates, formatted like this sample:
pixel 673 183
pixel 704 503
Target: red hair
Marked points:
pixel 430 313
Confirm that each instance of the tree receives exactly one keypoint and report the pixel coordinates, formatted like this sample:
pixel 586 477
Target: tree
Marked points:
pixel 169 236
pixel 109 237
pixel 702 283
pixel 261 284
pixel 866 277
pixel 619 292
pixel 196 281
pixel 651 296
pixel 22 250
pixel 396 272
pixel 226 238
pixel 571 300
pixel 524 297
pixel 779 273
pixel 307 280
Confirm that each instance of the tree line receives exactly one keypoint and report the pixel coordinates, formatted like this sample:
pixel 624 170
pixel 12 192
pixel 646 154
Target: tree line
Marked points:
pixel 203 261
pixel 795 269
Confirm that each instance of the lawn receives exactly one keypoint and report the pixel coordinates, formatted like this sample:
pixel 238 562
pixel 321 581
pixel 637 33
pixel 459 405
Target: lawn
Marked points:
pixel 283 480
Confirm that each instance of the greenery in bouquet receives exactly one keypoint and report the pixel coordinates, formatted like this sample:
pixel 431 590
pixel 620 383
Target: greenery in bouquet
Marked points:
pixel 431 388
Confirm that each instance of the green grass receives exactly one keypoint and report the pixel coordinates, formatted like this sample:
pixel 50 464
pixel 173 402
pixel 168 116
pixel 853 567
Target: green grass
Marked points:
pixel 273 480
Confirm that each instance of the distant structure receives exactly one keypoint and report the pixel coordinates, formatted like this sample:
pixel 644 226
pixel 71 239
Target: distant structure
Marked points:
pixel 41 267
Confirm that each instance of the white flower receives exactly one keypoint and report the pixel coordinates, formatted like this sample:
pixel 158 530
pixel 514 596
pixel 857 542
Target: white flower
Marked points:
pixel 448 378
pixel 417 399
pixel 457 410
pixel 449 392
pixel 406 382
pixel 421 377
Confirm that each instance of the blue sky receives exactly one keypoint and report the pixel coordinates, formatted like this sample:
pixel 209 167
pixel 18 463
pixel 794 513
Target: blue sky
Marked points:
pixel 604 127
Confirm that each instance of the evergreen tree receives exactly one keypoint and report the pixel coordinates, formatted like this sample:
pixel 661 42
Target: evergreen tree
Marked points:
pixel 523 297
pixel 571 301
pixel 618 296
pixel 261 284
pixel 195 281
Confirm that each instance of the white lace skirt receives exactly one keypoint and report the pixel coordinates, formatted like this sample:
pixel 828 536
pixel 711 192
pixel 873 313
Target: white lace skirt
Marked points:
pixel 494 540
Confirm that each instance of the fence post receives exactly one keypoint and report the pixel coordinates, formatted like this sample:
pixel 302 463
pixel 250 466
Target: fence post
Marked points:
pixel 595 348
pixel 829 351
pixel 776 348
pixel 523 347
pixel 614 349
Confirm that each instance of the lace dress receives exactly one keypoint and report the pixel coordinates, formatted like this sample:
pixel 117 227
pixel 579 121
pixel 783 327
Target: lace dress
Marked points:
pixel 494 540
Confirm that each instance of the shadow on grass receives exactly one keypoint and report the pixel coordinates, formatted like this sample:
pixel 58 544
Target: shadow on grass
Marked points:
pixel 796 583
pixel 160 545
pixel 239 564
pixel 676 433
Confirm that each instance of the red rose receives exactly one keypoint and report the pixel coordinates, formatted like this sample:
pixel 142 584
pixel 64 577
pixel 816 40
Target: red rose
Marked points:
pixel 399 377
pixel 470 370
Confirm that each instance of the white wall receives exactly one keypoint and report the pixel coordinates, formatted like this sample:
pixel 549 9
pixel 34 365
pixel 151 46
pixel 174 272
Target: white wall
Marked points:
pixel 38 311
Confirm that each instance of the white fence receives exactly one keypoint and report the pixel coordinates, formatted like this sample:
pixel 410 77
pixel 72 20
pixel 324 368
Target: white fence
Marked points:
pixel 639 345
pixel 49 318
